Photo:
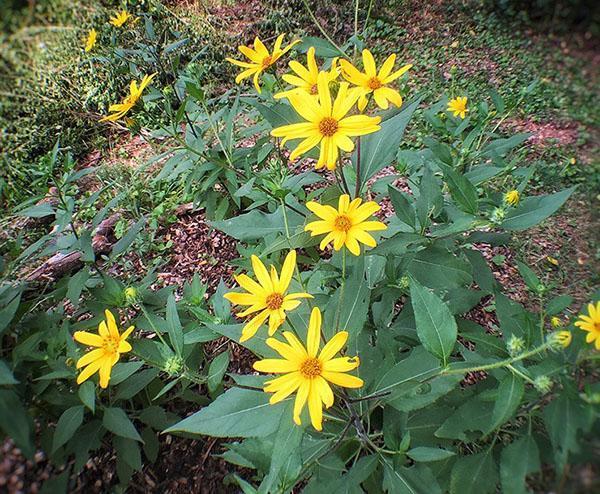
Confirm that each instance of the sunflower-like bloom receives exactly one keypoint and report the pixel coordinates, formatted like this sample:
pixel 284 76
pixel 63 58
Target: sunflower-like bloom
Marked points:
pixel 109 345
pixel 267 297
pixel 458 106
pixel 119 110
pixel 307 77
pixel 512 197
pixel 120 18
pixel 327 123
pixel 260 59
pixel 371 81
pixel 345 226
pixel 90 41
pixel 308 372
pixel 591 324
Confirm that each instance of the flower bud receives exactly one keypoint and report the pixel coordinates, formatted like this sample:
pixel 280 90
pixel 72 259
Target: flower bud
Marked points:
pixel 404 283
pixel 543 384
pixel 560 339
pixel 131 294
pixel 498 215
pixel 556 322
pixel 515 345
pixel 512 197
pixel 173 365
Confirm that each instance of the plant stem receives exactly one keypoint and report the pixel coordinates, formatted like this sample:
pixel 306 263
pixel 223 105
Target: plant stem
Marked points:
pixel 358 184
pixel 323 32
pixel 342 290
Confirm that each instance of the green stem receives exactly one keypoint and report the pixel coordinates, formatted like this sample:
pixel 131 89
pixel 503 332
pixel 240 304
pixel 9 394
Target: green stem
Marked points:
pixel 342 290
pixel 519 373
pixel 154 328
pixel 323 32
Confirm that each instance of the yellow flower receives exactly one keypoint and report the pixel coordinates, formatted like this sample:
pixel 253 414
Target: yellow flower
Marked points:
pixel 267 297
pixel 109 346
pixel 91 40
pixel 458 106
pixel 371 81
pixel 591 324
pixel 326 124
pixel 260 59
pixel 345 226
pixel 564 338
pixel 120 18
pixel 135 92
pixel 556 322
pixel 308 372
pixel 512 197
pixel 306 78
pixel 552 260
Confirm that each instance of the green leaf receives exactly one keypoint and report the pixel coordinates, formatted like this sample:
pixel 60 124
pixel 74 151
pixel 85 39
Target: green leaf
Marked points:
pixel 277 114
pixel 7 313
pixel 123 370
pixel 563 418
pixel 174 325
pixel 402 206
pixel 6 375
pixel 351 480
pixel 499 147
pixel 256 225
pixel 425 454
pixel 132 232
pixel 518 459
pixel 323 48
pixel 15 422
pixel 87 395
pixel 533 210
pixel 438 268
pixel 378 150
pixel 474 415
pixel 510 393
pixel 134 384
pixel 38 211
pixel 236 413
pixel 128 451
pixel 217 370
pixel 75 286
pixel 529 277
pixel 558 304
pixel 461 189
pixel 68 423
pixel 474 474
pixel 436 327
pixel 415 480
pixel 116 421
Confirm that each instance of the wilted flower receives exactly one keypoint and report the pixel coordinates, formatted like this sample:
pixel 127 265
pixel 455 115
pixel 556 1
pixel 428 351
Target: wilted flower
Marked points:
pixel 135 93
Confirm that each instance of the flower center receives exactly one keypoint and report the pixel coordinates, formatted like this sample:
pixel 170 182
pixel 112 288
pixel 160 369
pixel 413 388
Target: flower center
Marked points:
pixel 328 126
pixel 343 223
pixel 268 60
pixel 314 89
pixel 110 345
pixel 374 83
pixel 274 301
pixel 311 368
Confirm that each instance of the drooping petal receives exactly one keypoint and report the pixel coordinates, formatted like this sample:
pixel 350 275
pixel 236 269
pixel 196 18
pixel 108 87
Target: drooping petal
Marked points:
pixel 245 74
pixel 327 240
pixel 292 385
pixel 363 237
pixel 380 99
pixel 301 397
pixel 344 380
pixel 315 407
pixel 352 244
pixel 251 328
pixel 105 370
pixel 324 390
pixel 343 142
pixel 90 357
pixel 306 145
pixel 314 332
pixel 275 320
pixel 89 371
pixel 390 94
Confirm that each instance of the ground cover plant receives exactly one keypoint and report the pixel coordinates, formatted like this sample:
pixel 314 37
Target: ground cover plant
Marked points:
pixel 347 329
